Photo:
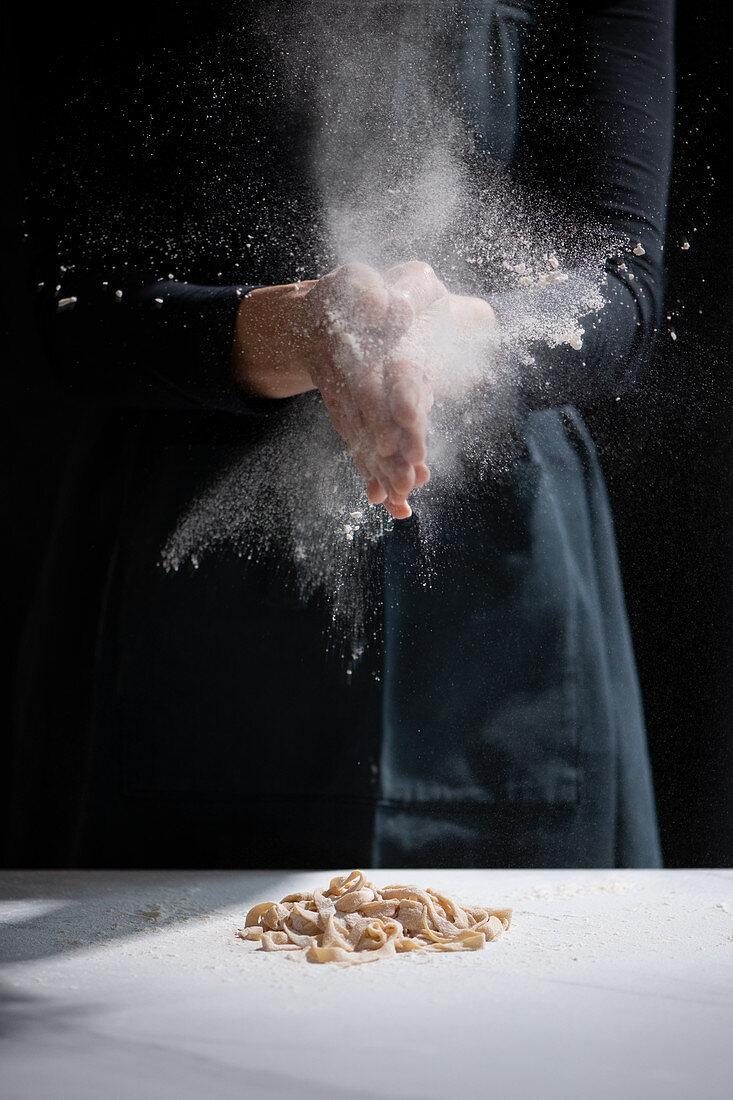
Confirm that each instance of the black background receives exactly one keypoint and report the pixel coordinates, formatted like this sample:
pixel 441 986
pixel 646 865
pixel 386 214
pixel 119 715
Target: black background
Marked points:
pixel 665 449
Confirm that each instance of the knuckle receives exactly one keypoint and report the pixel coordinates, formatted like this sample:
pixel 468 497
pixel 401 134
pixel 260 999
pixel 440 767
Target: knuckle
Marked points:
pixel 344 272
pixel 419 270
pixel 355 272
pixel 425 271
pixel 395 273
pixel 367 299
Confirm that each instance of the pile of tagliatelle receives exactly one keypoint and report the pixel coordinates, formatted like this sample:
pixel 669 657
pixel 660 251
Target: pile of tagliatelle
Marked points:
pixel 354 922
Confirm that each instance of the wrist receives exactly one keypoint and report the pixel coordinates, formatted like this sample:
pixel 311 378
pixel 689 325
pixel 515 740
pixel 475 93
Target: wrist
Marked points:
pixel 270 342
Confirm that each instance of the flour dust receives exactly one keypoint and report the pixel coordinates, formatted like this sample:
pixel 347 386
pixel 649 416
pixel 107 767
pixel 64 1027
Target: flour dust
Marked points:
pixel 403 168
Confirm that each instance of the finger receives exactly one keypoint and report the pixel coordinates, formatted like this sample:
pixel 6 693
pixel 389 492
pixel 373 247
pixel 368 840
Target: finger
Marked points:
pixel 398 475
pixel 413 444
pixel 359 292
pixel 370 398
pixel 405 400
pixel 388 439
pixel 470 313
pixel 410 391
pixel 413 447
pixel 376 442
pixel 365 421
pixel 376 493
pixel 381 433
pixel 400 509
pixel 416 284
pixel 409 400
pixel 422 475
pixel 394 476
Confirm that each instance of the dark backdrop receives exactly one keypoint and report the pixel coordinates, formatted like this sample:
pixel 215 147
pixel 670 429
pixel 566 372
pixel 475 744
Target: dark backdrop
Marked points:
pixel 665 450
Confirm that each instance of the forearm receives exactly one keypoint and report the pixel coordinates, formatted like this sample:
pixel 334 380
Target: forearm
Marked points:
pixel 596 134
pixel 559 348
pixel 127 343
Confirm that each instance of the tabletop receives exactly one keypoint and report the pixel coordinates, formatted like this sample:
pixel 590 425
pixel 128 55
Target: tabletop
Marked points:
pixel 125 984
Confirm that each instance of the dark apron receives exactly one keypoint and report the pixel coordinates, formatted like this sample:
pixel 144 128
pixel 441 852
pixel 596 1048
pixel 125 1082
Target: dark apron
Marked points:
pixel 513 728
pixel 497 722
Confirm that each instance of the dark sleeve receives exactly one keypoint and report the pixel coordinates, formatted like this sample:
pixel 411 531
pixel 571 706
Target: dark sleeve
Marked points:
pixel 595 135
pixel 133 279
pixel 165 344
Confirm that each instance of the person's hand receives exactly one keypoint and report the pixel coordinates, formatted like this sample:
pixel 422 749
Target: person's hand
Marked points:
pixel 339 334
pixel 378 400
pixel 400 351
pixel 453 344
pixel 377 349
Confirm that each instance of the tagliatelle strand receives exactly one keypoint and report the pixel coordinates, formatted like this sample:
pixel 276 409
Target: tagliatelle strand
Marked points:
pixel 354 922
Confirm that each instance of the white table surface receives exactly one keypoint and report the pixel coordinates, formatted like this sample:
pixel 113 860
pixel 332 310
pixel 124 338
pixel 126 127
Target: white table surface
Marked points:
pixel 133 985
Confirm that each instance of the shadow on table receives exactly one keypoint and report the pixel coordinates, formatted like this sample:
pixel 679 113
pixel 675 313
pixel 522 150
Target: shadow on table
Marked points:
pixel 53 1048
pixel 23 1012
pixel 48 913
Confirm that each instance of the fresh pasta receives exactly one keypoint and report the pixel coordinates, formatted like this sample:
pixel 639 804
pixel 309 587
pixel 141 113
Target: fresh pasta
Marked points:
pixel 354 922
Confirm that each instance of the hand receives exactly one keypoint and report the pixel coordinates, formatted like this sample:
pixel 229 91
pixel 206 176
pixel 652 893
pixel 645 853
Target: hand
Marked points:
pixel 377 349
pixel 378 400
pixel 339 334
pixel 453 344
